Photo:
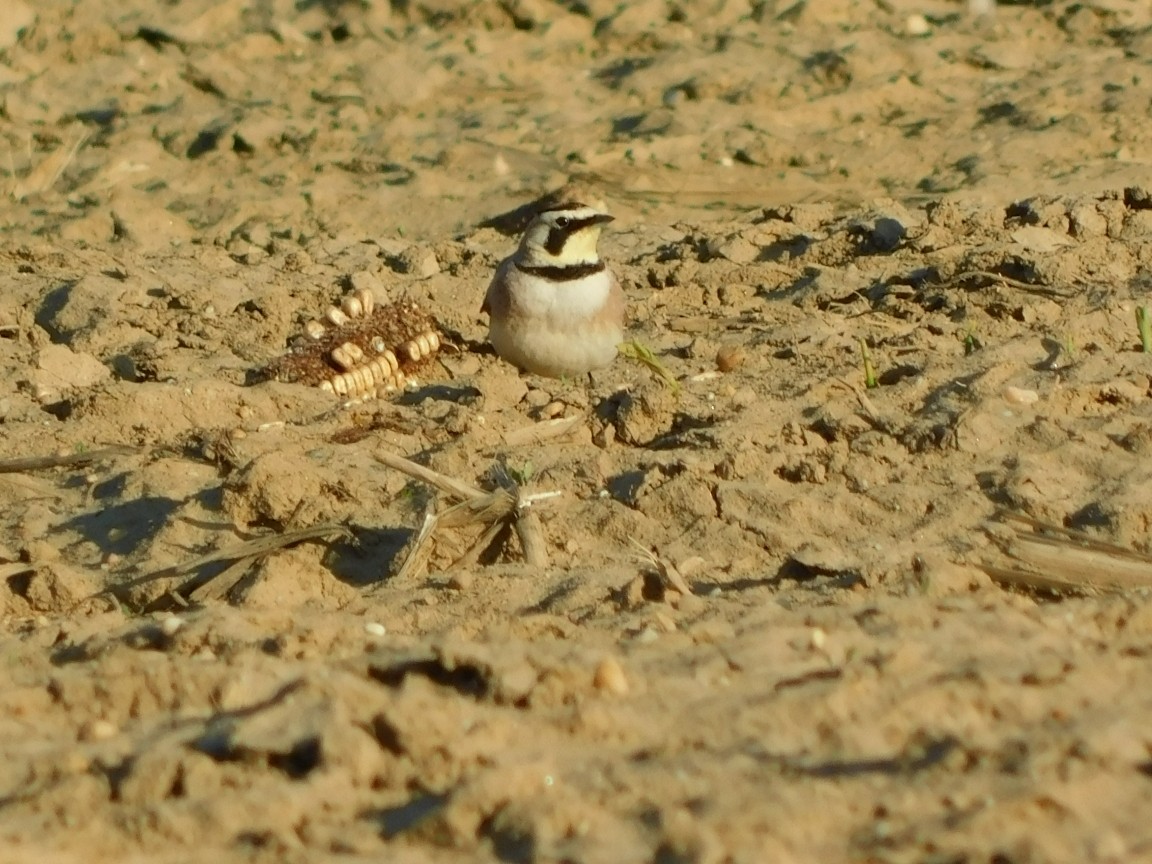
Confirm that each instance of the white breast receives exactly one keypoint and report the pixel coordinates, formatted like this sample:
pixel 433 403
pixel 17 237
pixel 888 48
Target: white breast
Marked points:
pixel 556 328
pixel 559 302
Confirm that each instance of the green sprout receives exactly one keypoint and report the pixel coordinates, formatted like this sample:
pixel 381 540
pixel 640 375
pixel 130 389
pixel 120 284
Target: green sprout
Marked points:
pixel 1070 350
pixel 522 474
pixel 643 355
pixel 1144 325
pixel 870 380
pixel 971 343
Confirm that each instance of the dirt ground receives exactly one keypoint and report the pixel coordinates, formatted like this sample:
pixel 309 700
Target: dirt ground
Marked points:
pixel 854 675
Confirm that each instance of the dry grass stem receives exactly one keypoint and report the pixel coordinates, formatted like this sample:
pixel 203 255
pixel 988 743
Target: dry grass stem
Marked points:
pixel 1063 560
pixel 500 511
pixel 446 484
pixel 64 460
pixel 531 538
pixel 1007 281
pixel 43 176
pixel 670 577
pixel 486 507
pixel 491 536
pixel 706 323
pixel 420 547
pixel 545 430
pixel 250 551
pixel 220 585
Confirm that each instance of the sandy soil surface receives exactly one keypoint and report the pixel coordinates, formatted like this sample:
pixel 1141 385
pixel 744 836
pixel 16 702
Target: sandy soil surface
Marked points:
pixel 185 184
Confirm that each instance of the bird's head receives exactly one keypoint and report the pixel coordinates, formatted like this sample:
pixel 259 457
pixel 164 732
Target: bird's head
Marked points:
pixel 563 236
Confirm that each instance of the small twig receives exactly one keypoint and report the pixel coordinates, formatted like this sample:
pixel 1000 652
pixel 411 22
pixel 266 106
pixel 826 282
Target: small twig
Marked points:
pixel 446 484
pixel 481 544
pixel 1015 578
pixel 707 323
pixel 870 414
pixel 526 501
pixel 252 549
pixel 861 398
pixel 545 430
pixel 43 176
pixel 487 507
pixel 64 460
pixel 531 537
pixel 870 380
pixel 1066 560
pixel 218 587
pixel 420 547
pixel 500 510
pixel 670 577
pixel 1086 541
pixel 1028 287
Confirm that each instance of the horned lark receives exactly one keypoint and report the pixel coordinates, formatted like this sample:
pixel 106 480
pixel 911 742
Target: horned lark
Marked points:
pixel 554 308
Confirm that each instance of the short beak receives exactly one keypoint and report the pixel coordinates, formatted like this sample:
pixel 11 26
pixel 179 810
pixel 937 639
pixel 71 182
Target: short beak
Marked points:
pixel 601 219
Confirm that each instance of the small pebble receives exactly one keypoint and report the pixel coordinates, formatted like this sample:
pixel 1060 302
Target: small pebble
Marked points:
pixel 1020 396
pixel 610 677
pixel 917 25
pixel 98 730
pixel 537 398
pixel 375 628
pixel 817 638
pixel 730 357
pixel 170 625
pixel 647 636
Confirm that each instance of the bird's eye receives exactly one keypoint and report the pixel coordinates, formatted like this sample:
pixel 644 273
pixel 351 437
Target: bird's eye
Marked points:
pixel 562 221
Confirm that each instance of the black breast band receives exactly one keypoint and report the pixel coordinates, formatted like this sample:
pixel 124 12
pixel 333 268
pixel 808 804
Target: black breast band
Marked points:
pixel 566 273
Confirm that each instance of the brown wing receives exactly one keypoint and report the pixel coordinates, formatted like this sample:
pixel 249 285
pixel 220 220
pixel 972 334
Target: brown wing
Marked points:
pixel 615 305
pixel 496 297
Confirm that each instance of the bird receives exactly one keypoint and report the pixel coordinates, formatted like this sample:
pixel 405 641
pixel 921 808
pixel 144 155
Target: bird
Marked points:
pixel 554 307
